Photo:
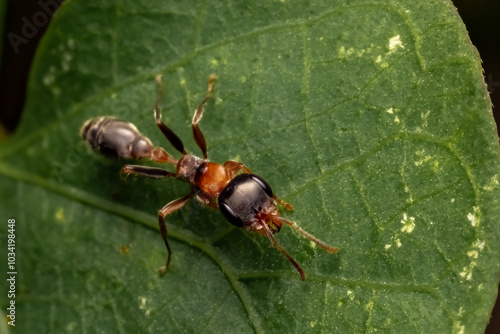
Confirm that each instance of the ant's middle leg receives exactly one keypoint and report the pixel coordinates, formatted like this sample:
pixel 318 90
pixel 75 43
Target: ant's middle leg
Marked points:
pixel 166 210
pixel 167 132
pixel 197 134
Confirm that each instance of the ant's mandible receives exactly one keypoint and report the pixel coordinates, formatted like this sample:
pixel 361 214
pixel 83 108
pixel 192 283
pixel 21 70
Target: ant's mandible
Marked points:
pixel 245 199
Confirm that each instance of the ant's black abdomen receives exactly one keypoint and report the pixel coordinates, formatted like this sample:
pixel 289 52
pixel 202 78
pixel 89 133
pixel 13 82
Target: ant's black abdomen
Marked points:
pixel 243 198
pixel 115 138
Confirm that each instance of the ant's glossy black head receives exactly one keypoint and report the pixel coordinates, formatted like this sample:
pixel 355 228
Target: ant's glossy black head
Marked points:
pixel 243 198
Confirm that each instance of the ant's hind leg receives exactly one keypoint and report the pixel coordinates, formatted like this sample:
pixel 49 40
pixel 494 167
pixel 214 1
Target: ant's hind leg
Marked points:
pixel 197 134
pixel 158 154
pixel 166 210
pixel 167 132
pixel 152 172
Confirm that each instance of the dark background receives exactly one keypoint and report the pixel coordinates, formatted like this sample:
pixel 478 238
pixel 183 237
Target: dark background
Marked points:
pixel 481 18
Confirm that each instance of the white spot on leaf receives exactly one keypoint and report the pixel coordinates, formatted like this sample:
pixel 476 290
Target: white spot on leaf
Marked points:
pixel 49 77
pixel 479 244
pixel 492 184
pixel 473 217
pixel 395 42
pixel 473 253
pixel 398 243
pixel 458 328
pixel 467 271
pixel 66 59
pixel 408 223
pixel 142 305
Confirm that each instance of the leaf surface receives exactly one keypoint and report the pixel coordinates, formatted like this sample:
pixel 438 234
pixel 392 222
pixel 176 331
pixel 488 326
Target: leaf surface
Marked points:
pixel 370 117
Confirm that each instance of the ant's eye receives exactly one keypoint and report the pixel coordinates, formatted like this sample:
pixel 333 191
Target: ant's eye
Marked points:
pixel 230 215
pixel 263 184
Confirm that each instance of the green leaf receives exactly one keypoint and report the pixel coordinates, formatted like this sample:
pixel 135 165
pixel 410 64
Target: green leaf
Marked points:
pixel 370 117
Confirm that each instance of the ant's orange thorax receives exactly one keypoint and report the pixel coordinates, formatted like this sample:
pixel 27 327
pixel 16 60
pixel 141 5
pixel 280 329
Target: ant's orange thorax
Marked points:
pixel 212 178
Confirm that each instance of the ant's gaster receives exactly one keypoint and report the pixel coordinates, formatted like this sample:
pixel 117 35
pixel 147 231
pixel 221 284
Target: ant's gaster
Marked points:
pixel 245 199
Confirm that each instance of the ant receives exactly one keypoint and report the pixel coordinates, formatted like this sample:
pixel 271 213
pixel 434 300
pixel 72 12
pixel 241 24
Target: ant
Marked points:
pixel 245 199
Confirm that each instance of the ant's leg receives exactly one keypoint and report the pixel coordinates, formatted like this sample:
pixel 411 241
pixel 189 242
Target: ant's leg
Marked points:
pixel 197 134
pixel 166 210
pixel 167 132
pixel 152 172
pixel 309 236
pixel 284 204
pixel 207 201
pixel 269 234
pixel 158 154
pixel 234 167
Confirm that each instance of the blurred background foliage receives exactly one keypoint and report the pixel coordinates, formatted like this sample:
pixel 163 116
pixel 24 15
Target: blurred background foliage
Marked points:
pixel 480 18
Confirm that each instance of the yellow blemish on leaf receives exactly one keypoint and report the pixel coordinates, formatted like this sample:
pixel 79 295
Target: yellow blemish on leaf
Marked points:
pixel 60 214
pixel 422 158
pixel 425 117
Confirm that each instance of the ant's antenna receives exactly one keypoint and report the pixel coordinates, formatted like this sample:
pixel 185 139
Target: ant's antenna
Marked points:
pixel 309 236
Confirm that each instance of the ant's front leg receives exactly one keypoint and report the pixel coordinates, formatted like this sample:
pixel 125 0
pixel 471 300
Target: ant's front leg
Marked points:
pixel 207 201
pixel 284 204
